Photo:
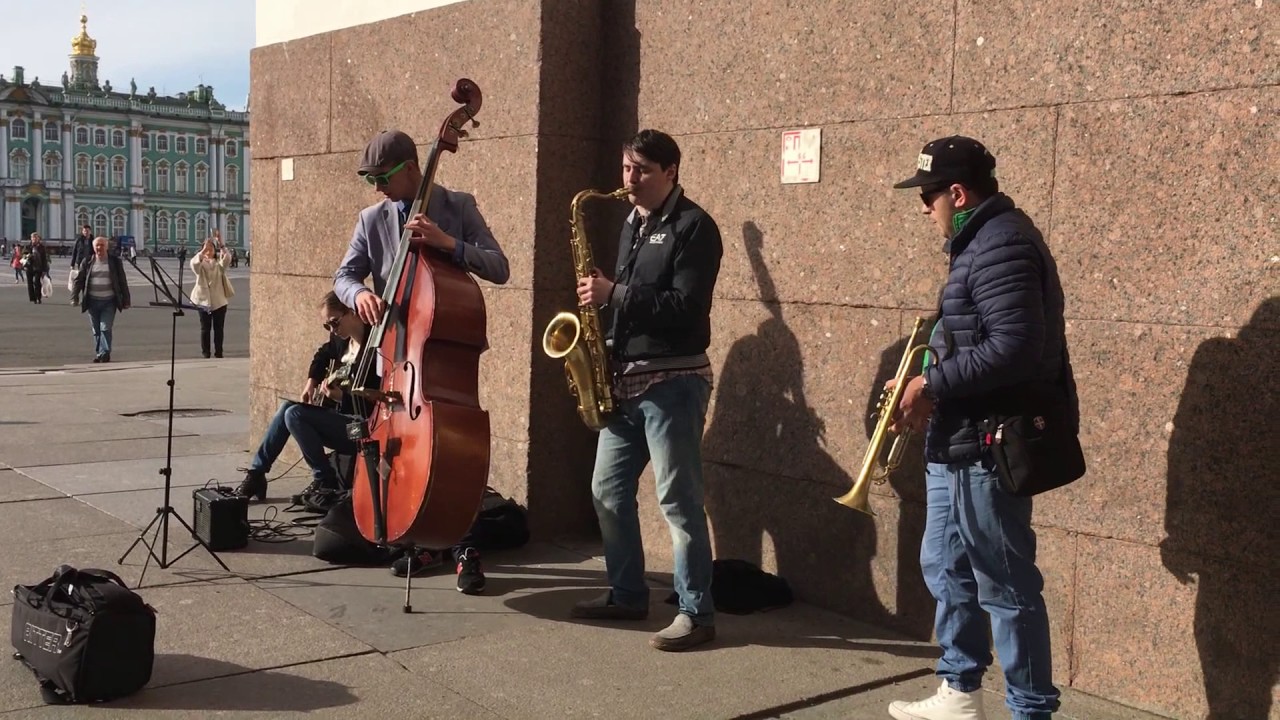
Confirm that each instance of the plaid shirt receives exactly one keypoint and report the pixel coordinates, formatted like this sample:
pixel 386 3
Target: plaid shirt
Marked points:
pixel 627 387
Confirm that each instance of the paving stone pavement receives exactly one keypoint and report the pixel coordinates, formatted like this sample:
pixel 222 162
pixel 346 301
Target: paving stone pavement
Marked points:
pixel 284 634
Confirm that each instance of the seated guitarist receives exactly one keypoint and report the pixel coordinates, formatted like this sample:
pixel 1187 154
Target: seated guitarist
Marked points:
pixel 320 420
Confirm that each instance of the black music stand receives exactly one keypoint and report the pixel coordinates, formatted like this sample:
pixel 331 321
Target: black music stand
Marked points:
pixel 161 521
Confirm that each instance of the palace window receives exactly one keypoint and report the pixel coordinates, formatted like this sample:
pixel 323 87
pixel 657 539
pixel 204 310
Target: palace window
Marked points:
pixel 146 141
pixel 180 177
pixel 233 180
pixel 117 171
pixel 51 132
pixel 162 178
pixel 233 230
pixel 20 165
pixel 146 175
pixel 100 172
pixel 52 166
pixel 100 223
pixel 82 217
pixel 180 143
pixel 162 142
pixel 117 138
pixel 100 137
pixel 117 222
pixel 162 226
pixel 146 228
pixel 202 226
pixel 202 146
pixel 82 173
pixel 231 148
pixel 18 129
pixel 202 179
pixel 180 227
pixel 82 135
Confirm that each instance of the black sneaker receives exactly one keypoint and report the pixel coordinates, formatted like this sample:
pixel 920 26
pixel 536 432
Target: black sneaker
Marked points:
pixel 315 487
pixel 470 577
pixel 416 562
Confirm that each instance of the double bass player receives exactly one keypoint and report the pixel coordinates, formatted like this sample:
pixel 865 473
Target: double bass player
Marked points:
pixel 451 225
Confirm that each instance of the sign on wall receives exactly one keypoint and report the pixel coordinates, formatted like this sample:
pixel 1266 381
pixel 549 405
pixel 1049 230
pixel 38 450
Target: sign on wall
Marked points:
pixel 801 155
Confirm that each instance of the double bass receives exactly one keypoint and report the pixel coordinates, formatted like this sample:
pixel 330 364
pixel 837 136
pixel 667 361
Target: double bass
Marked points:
pixel 424 448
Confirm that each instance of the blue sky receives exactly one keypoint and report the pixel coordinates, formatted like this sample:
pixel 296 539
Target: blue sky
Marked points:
pixel 173 45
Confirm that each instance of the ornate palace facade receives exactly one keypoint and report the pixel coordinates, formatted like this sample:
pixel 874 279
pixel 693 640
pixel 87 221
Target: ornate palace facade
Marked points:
pixel 165 170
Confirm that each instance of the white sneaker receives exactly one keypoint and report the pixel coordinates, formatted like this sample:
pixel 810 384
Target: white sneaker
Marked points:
pixel 946 704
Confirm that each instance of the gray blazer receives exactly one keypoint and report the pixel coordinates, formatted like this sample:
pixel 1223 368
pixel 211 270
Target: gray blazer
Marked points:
pixel 377 235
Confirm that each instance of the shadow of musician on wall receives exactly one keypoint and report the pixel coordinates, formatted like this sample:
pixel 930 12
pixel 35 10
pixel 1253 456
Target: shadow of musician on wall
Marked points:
pixel 768 472
pixel 914 606
pixel 1222 507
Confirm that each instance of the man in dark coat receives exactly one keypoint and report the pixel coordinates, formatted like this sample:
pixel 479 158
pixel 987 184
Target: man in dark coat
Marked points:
pixel 1000 330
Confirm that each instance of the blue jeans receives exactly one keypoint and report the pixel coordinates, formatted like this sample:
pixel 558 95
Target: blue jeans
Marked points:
pixel 313 428
pixel 102 316
pixel 663 424
pixel 979 561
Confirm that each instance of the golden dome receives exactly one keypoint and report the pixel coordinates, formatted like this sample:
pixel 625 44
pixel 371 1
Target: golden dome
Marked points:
pixel 82 44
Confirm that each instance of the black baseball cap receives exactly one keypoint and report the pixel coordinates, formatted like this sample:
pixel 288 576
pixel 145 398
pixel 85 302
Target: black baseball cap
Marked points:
pixel 950 160
pixel 387 148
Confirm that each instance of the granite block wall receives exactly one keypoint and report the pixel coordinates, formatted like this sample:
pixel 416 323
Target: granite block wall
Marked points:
pixel 1141 137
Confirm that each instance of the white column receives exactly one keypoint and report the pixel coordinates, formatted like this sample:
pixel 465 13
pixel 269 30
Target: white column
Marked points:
pixel 55 218
pixel 213 164
pixel 68 162
pixel 222 167
pixel 135 224
pixel 12 218
pixel 135 156
pixel 37 148
pixel 4 148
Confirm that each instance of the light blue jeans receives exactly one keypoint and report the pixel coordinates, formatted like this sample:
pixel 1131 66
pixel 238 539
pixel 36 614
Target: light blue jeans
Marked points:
pixel 979 561
pixel 664 424
pixel 102 316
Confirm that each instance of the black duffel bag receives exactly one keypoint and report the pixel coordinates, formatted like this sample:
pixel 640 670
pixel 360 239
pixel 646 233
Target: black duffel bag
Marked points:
pixel 86 636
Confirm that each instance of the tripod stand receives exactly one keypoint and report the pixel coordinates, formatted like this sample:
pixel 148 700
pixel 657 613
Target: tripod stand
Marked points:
pixel 161 521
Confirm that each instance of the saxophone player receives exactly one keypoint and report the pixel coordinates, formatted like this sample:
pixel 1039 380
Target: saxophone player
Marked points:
pixel 668 259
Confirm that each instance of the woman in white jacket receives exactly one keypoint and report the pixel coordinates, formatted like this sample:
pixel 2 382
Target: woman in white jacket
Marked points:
pixel 212 292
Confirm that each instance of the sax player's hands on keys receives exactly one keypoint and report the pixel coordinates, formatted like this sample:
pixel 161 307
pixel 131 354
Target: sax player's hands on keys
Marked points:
pixel 596 289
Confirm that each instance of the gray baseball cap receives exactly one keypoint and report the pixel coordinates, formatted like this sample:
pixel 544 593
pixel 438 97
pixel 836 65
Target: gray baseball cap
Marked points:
pixel 387 149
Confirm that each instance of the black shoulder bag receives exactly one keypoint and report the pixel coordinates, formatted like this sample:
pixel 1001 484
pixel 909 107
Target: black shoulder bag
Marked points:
pixel 86 636
pixel 1035 444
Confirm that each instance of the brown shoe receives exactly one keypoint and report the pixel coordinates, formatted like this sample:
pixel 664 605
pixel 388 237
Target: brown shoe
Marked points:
pixel 603 608
pixel 682 634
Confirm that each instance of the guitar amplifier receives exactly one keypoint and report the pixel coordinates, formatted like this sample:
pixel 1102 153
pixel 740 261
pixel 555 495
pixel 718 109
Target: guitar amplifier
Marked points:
pixel 221 518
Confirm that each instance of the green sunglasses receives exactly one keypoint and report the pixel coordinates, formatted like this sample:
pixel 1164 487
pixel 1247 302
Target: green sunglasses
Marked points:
pixel 385 177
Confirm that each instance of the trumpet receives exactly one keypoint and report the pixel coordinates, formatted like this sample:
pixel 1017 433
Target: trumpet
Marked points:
pixel 873 470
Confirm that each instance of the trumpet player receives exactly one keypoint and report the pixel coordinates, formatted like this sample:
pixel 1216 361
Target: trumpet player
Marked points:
pixel 660 294
pixel 1000 325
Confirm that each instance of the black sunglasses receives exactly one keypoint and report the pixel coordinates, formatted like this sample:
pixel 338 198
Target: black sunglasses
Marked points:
pixel 929 194
pixel 332 323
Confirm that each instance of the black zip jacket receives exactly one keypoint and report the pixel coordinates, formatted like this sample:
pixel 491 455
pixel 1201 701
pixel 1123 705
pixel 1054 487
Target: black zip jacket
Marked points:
pixel 332 352
pixel 666 308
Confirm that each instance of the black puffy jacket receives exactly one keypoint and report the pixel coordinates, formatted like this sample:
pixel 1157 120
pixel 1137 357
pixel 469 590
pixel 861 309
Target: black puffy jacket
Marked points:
pixel 1001 327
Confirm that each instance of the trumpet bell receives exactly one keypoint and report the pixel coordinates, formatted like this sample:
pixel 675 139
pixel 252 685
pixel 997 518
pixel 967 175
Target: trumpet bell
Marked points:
pixel 561 335
pixel 858 498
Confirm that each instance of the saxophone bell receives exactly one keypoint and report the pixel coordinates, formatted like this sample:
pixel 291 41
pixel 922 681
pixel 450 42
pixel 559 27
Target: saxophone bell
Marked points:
pixel 578 338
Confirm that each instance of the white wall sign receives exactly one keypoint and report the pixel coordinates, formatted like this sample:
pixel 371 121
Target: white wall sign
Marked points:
pixel 801 155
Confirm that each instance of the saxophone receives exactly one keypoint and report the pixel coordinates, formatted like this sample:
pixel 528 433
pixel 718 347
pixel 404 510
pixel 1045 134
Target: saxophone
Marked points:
pixel 577 337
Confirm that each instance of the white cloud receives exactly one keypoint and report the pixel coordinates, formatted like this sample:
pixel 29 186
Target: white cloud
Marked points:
pixel 172 45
